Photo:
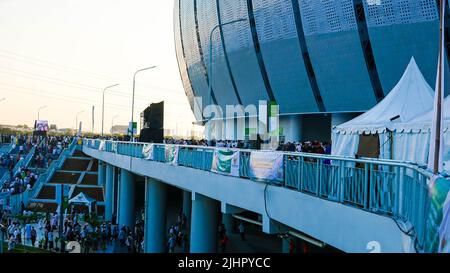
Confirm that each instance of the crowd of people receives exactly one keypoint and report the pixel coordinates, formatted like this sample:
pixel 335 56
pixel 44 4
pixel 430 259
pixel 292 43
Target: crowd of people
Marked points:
pixel 316 147
pixel 24 179
pixel 178 236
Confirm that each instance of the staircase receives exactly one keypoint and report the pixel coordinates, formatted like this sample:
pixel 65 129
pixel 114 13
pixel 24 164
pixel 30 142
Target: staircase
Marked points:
pixel 77 170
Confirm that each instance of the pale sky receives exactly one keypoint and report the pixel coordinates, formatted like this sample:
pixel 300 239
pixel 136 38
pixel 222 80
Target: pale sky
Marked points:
pixel 62 53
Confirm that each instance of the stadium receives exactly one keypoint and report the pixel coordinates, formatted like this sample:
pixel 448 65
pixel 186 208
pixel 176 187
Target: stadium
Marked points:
pixel 322 62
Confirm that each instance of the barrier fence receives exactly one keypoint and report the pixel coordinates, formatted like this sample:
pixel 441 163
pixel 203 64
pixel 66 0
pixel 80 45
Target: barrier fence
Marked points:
pixel 395 189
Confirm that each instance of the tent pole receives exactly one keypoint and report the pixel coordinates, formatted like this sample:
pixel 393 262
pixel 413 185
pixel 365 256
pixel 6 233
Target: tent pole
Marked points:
pixel 437 140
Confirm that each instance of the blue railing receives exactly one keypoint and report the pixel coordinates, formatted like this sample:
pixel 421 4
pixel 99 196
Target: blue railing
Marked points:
pixel 395 189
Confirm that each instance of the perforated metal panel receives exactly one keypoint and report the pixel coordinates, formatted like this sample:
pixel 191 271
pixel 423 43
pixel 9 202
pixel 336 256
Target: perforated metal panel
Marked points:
pixel 275 20
pixel 241 52
pixel 238 35
pixel 219 77
pixel 189 35
pixel 180 56
pixel 389 12
pixel 326 16
pixel 280 48
pixel 399 30
pixel 192 54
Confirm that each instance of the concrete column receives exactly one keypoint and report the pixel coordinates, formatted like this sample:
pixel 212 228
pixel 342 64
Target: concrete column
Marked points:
pixel 126 199
pixel 101 173
pixel 155 216
pixel 204 224
pixel 228 221
pixel 187 202
pixel 109 189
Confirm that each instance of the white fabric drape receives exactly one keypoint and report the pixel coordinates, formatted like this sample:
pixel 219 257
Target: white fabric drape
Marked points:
pixel 411 147
pixel 344 144
pixel 385 145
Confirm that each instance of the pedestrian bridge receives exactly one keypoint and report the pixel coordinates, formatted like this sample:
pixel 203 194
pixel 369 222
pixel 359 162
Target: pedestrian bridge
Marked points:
pixel 350 204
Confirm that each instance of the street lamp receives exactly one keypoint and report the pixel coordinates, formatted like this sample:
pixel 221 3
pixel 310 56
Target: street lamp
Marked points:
pixel 112 123
pixel 103 104
pixel 76 120
pixel 39 110
pixel 132 99
pixel 210 62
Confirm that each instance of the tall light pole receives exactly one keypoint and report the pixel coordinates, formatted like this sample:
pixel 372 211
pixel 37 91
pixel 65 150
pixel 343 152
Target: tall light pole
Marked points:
pixel 132 99
pixel 210 62
pixel 103 103
pixel 112 122
pixel 76 121
pixel 39 110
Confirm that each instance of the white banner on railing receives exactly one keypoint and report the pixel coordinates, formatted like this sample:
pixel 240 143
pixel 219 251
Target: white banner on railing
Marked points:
pixel 147 151
pixel 171 154
pixel 226 161
pixel 114 147
pixel 102 145
pixel 266 166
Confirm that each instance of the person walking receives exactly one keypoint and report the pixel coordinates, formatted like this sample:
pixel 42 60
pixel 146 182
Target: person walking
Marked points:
pixel 27 233
pixel 224 242
pixel 172 242
pixel 33 236
pixel 50 240
pixel 242 231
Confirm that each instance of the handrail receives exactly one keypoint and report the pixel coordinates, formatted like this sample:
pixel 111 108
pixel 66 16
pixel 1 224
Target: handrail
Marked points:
pixel 23 162
pixel 388 187
pixel 362 160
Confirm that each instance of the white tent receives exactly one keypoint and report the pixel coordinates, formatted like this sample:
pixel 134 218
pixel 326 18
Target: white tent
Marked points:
pixel 83 199
pixel 410 98
pixel 412 139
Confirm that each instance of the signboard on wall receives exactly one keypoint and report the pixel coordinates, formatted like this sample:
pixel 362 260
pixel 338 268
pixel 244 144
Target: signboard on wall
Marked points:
pixel 226 161
pixel 147 151
pixel 171 154
pixel 266 166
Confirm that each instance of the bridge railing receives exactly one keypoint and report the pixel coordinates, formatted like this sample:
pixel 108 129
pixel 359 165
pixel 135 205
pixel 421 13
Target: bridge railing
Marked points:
pixel 395 189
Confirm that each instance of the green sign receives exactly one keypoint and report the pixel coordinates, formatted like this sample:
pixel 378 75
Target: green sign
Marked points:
pixel 65 204
pixel 226 161
pixel 132 127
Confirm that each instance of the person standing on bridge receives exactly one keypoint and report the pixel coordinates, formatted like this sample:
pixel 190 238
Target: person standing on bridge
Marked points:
pixel 242 231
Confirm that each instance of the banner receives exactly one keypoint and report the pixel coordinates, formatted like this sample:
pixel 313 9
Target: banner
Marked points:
pixel 267 166
pixel 438 219
pixel 147 151
pixel 102 145
pixel 226 161
pixel 171 154
pixel 114 147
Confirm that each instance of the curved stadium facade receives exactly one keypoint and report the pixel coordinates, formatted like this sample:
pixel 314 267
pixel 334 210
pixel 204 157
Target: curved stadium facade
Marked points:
pixel 317 59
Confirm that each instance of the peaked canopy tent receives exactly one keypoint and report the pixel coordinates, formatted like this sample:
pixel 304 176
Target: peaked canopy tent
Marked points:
pixel 410 98
pixel 83 199
pixel 412 139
